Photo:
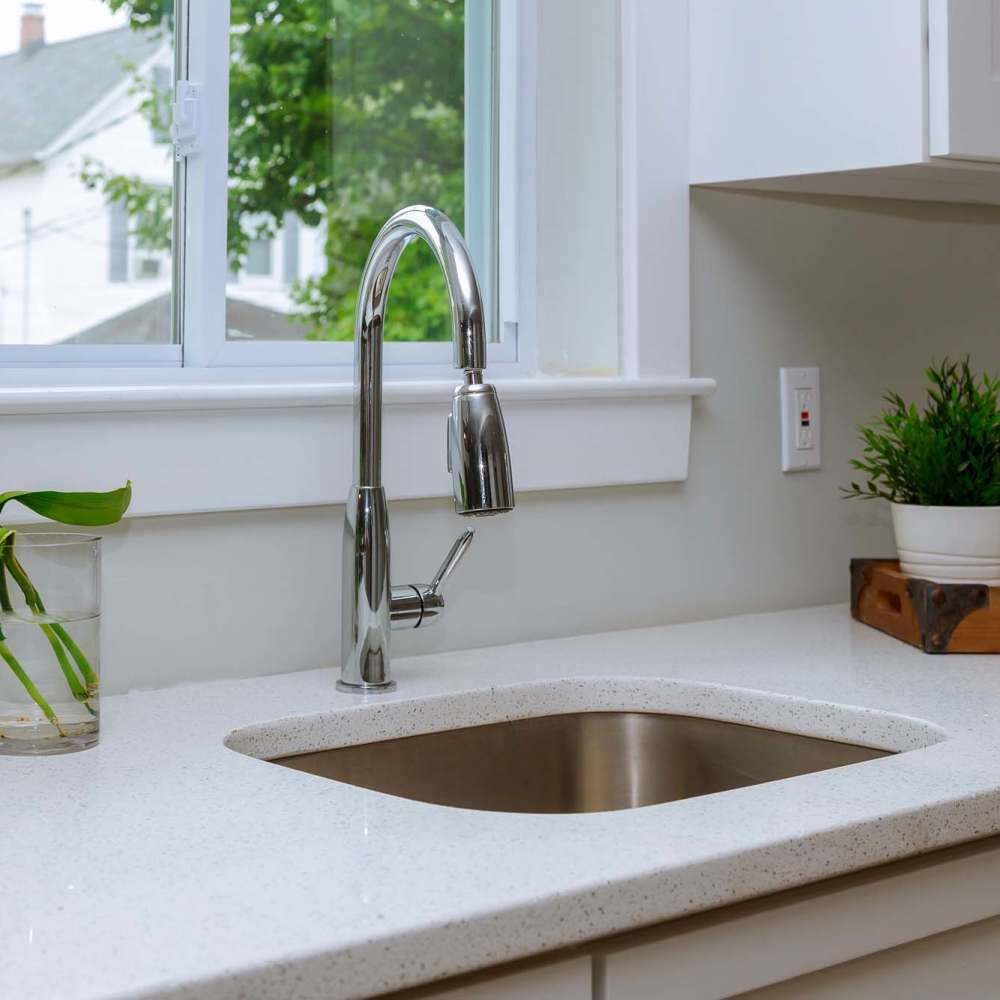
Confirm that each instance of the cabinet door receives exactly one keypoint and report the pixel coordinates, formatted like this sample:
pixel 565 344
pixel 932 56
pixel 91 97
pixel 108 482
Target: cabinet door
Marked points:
pixel 963 964
pixel 964 80
pixel 791 87
pixel 566 980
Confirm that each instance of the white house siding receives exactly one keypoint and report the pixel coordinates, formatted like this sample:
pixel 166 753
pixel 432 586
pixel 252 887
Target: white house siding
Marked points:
pixel 57 284
pixel 68 257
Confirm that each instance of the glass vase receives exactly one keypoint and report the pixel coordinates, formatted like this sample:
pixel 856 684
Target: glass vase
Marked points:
pixel 50 617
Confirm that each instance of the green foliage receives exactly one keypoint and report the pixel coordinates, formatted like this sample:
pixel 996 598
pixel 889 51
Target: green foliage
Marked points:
pixel 948 455
pixel 148 205
pixel 87 509
pixel 341 112
pixel 145 14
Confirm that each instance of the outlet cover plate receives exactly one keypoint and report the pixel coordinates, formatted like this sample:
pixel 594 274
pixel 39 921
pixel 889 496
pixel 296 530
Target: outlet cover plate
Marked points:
pixel 801 419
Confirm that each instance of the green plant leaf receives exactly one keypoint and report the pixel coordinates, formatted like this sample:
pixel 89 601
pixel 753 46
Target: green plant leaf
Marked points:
pixel 947 455
pixel 86 509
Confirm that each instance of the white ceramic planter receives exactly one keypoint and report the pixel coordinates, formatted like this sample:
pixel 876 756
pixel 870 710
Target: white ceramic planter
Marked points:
pixel 948 544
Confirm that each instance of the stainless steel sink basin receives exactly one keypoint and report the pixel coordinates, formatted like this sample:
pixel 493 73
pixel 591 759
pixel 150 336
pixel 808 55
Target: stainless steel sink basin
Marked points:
pixel 583 762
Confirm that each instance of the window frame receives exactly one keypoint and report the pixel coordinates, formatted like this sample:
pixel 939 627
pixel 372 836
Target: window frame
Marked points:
pixel 199 259
pixel 203 26
pixel 194 439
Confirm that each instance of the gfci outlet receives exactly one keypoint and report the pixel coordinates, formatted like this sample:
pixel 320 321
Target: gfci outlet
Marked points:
pixel 800 419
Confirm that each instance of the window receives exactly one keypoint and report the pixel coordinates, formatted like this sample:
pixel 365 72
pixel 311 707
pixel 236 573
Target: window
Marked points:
pixel 257 258
pixel 76 84
pixel 254 236
pixel 149 268
pixel 290 245
pixel 118 243
pixel 588 181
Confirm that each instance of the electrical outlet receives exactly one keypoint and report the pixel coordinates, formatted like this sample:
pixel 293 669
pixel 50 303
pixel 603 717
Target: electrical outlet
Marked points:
pixel 800 419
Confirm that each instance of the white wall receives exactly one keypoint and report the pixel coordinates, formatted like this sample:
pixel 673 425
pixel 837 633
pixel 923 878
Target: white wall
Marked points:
pixel 870 291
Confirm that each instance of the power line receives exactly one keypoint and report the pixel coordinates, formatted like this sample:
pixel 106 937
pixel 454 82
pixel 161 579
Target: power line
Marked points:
pixel 80 238
pixel 51 228
pixel 69 218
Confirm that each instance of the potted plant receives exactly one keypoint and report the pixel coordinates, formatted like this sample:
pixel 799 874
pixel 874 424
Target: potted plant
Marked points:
pixel 50 623
pixel 939 468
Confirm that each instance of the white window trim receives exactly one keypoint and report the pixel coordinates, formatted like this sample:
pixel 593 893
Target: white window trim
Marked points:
pixel 96 360
pixel 208 439
pixel 219 447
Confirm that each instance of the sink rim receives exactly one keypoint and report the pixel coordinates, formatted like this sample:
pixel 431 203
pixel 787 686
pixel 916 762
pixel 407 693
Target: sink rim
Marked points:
pixel 395 715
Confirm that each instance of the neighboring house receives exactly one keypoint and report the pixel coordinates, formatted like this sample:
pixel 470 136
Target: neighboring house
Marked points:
pixel 71 269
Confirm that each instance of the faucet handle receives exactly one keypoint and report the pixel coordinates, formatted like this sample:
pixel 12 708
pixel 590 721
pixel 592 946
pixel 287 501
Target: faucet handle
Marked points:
pixel 451 560
pixel 419 604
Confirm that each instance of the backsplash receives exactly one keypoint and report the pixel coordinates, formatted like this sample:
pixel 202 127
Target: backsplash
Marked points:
pixel 869 291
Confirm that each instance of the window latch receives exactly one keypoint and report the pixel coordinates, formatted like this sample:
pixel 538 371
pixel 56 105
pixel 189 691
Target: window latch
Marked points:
pixel 185 130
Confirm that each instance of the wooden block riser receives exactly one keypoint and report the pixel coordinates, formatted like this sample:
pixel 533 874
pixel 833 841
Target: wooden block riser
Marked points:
pixel 937 618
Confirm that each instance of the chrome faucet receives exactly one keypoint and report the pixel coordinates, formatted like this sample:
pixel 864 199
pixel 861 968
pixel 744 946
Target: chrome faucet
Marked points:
pixel 478 457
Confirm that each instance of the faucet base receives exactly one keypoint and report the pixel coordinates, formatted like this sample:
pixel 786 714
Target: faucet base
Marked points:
pixel 366 688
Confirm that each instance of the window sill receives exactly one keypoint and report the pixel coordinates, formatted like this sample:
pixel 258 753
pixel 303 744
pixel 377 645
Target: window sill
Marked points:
pixel 176 390
pixel 192 445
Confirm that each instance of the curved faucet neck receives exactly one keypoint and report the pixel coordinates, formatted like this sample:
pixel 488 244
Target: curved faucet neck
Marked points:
pixel 468 321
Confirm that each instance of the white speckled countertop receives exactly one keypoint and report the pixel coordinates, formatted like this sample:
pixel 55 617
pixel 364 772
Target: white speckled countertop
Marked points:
pixel 164 864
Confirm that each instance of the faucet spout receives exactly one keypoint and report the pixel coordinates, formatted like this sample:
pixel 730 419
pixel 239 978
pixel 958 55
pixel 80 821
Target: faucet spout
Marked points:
pixel 468 320
pixel 478 454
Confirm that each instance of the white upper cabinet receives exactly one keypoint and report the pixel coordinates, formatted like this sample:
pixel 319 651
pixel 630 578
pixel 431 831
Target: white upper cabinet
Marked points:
pixel 889 98
pixel 964 78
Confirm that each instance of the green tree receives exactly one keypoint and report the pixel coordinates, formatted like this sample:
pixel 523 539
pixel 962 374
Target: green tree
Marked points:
pixel 341 112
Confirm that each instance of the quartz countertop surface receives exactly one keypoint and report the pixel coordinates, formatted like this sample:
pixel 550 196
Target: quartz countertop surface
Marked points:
pixel 166 863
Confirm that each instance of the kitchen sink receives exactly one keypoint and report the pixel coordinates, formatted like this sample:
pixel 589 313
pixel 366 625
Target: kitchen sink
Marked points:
pixel 579 762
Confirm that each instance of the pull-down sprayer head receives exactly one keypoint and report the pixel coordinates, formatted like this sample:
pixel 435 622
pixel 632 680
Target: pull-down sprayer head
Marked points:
pixel 478 456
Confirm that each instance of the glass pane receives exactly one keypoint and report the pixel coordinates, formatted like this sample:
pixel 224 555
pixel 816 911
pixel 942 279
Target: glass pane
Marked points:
pixel 342 112
pixel 85 172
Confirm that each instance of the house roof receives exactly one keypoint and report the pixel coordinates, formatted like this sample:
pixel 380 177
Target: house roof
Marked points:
pixel 149 323
pixel 45 90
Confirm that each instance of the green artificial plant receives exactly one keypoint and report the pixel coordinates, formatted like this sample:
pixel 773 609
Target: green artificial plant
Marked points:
pixel 946 455
pixel 79 509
